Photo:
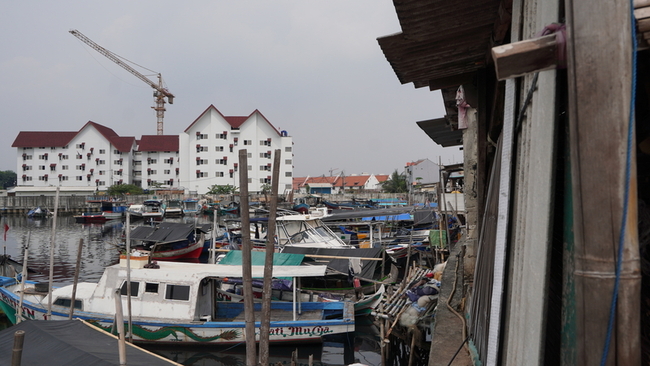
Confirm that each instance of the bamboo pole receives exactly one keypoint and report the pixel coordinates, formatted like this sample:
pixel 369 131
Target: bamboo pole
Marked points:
pixel 265 327
pixel 17 352
pixel 119 319
pixel 77 267
pixel 247 272
pixel 128 273
pixel 603 135
pixel 52 243
pixel 19 310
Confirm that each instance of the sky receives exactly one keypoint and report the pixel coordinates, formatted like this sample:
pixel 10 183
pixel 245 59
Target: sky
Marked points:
pixel 312 68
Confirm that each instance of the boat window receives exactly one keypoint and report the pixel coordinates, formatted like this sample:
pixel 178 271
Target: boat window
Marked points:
pixel 177 292
pixel 151 287
pixel 62 301
pixel 135 286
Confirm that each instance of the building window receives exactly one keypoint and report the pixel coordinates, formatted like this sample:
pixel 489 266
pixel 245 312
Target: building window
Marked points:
pixel 80 177
pixel 117 152
pixel 218 148
pixel 102 172
pixel 43 157
pixel 201 161
pixel 80 146
pixel 79 156
pixel 265 180
pixel 250 167
pixel 265 155
pixel 41 167
pixel 169 161
pixel 221 161
pixel 202 136
pixel 265 143
pixel 221 136
pixel 64 167
pixel 265 167
pixel 167 171
pixel 248 142
pixel 287 162
pixel 287 149
pixel 64 177
pixel 218 174
pixel 151 287
pixel 102 151
pixel 64 157
pixel 101 183
pixel 287 174
pixel 28 178
pixel 101 162
pixel 288 186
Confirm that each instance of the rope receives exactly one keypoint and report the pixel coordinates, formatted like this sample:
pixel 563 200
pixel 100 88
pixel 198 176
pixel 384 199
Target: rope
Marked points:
pixel 628 163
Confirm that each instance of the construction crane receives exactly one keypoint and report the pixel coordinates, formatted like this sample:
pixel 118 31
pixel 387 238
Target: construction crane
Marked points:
pixel 160 92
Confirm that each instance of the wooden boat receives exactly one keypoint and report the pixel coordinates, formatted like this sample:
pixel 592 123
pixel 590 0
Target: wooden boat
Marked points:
pixel 90 217
pixel 113 210
pixel 169 240
pixel 39 213
pixel 174 208
pixel 174 303
pixel 153 209
pixel 191 206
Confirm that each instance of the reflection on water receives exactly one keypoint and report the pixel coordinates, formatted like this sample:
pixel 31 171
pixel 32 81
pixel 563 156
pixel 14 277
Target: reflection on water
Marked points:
pixel 100 250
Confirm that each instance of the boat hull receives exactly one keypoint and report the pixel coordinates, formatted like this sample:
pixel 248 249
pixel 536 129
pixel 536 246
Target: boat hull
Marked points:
pixel 205 331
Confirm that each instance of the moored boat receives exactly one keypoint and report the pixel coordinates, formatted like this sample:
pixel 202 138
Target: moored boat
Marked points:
pixel 169 240
pixel 174 303
pixel 174 208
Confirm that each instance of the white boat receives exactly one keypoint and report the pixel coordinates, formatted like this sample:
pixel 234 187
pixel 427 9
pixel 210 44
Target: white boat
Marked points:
pixel 307 231
pixel 176 303
pixel 191 206
pixel 174 208
pixel 153 209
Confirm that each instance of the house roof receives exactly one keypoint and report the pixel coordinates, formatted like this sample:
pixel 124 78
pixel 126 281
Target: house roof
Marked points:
pixel 351 181
pixel 158 143
pixel 233 121
pixel 440 46
pixel 60 139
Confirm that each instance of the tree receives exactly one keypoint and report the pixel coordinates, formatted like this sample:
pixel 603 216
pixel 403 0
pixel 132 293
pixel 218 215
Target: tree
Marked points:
pixel 7 179
pixel 120 189
pixel 395 184
pixel 218 189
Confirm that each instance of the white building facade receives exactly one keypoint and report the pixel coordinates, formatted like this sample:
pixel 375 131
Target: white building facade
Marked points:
pixel 95 156
pixel 209 152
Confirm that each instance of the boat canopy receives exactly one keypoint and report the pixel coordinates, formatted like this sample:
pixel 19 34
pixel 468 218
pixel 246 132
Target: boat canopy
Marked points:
pixel 258 258
pixel 165 232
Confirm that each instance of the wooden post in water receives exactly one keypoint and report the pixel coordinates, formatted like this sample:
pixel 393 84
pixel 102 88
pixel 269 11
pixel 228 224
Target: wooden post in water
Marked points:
pixel 247 272
pixel 19 310
pixel 265 327
pixel 17 352
pixel 52 243
pixel 77 269
pixel 128 273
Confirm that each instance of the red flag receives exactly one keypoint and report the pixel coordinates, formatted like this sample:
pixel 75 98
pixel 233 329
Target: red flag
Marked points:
pixel 6 229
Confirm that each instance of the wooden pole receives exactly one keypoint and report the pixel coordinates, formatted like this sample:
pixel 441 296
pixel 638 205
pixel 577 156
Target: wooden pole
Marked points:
pixel 19 310
pixel 119 319
pixel 52 243
pixel 76 278
pixel 128 273
pixel 265 327
pixel 247 272
pixel 17 352
pixel 600 50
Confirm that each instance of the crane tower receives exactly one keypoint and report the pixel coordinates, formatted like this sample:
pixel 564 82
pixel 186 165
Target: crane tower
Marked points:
pixel 160 92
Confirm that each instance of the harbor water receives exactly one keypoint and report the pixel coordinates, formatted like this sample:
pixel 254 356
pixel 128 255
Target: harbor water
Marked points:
pixel 100 243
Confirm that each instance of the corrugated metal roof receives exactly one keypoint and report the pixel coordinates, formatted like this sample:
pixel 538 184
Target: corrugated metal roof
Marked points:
pixel 441 131
pixel 440 39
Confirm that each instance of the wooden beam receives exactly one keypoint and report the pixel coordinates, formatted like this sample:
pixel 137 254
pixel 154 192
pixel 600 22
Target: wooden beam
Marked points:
pixel 525 57
pixel 452 81
pixel 642 13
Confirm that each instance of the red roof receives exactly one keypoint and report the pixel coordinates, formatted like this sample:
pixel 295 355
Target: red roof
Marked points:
pixel 158 143
pixel 233 121
pixel 352 181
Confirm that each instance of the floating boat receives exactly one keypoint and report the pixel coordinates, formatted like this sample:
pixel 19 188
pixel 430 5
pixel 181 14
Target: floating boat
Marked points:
pixel 38 213
pixel 169 240
pixel 153 209
pixel 174 303
pixel 191 206
pixel 90 217
pixel 174 208
pixel 112 210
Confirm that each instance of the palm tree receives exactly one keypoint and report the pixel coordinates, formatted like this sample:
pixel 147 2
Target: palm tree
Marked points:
pixel 395 184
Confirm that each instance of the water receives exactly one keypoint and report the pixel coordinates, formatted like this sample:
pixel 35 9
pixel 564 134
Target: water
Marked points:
pixel 100 249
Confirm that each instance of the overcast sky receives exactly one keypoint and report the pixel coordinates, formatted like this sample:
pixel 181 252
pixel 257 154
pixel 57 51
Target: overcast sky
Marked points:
pixel 312 68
